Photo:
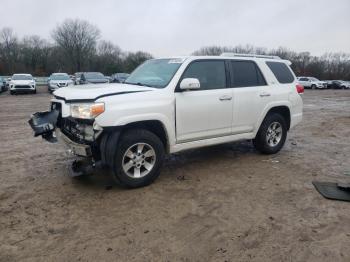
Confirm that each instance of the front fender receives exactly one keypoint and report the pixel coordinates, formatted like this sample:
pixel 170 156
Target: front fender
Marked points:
pixel 168 125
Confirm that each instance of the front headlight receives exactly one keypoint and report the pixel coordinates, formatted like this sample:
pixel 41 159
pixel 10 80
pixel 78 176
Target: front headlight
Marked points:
pixel 87 111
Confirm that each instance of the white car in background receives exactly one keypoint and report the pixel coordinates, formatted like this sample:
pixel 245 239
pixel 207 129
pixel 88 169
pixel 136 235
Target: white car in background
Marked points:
pixel 58 80
pixel 22 83
pixel 312 82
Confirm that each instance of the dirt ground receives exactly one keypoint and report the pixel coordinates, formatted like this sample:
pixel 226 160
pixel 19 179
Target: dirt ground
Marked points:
pixel 222 203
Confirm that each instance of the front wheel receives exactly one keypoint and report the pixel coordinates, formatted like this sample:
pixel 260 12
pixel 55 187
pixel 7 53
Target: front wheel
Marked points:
pixel 138 158
pixel 271 135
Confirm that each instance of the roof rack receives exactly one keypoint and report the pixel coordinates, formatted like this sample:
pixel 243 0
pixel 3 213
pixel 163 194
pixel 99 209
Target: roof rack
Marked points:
pixel 250 55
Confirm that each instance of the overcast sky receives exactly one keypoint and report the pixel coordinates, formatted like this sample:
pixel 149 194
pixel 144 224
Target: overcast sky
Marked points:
pixel 180 27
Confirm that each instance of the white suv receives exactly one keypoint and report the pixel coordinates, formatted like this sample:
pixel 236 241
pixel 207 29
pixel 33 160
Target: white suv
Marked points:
pixel 20 83
pixel 312 82
pixel 173 104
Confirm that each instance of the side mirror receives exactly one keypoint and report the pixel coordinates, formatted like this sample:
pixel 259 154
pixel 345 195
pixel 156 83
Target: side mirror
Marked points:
pixel 190 84
pixel 9 79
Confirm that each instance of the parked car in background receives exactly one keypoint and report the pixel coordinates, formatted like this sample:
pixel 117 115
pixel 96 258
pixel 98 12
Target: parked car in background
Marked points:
pixel 340 84
pixel 58 80
pixel 119 77
pixel 93 78
pixel 22 83
pixel 311 82
pixel 329 83
pixel 2 85
pixel 77 78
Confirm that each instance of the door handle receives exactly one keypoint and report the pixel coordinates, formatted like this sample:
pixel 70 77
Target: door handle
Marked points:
pixel 225 98
pixel 264 94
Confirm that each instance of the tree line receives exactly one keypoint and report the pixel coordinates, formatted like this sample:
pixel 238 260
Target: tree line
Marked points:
pixel 77 46
pixel 329 66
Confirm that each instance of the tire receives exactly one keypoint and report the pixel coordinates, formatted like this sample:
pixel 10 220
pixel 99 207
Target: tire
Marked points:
pixel 12 92
pixel 34 92
pixel 313 87
pixel 131 169
pixel 263 141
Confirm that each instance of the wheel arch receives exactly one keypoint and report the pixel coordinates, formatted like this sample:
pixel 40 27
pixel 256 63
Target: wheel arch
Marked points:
pixel 281 109
pixel 154 126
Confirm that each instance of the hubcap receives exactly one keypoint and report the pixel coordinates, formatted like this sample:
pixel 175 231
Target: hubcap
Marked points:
pixel 274 134
pixel 139 160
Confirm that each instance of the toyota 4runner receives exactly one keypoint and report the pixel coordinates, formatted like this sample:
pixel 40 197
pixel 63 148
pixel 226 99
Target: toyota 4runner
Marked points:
pixel 174 104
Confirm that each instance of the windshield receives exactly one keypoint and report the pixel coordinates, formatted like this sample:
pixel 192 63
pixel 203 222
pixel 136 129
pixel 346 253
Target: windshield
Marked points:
pixel 94 75
pixel 155 73
pixel 21 77
pixel 314 79
pixel 59 77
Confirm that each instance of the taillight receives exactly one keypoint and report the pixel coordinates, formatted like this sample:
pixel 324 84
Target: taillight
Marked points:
pixel 300 89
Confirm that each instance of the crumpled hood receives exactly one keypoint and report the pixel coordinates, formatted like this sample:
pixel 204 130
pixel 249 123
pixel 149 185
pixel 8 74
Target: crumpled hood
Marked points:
pixel 93 92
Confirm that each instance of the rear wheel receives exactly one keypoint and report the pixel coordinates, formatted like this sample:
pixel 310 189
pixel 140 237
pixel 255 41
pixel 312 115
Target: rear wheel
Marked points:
pixel 137 158
pixel 271 135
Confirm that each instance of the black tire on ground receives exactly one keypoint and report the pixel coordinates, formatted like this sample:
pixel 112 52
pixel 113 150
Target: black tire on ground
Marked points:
pixel 12 92
pixel 128 139
pixel 313 87
pixel 34 92
pixel 261 140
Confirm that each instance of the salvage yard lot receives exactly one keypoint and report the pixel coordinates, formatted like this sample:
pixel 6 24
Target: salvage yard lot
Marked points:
pixel 222 203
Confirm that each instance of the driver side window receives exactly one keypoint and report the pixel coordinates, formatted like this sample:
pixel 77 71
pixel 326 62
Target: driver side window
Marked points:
pixel 211 74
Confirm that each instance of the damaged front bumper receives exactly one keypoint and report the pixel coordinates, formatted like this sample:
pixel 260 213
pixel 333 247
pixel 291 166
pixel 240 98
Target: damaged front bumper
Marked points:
pixel 44 124
pixel 79 136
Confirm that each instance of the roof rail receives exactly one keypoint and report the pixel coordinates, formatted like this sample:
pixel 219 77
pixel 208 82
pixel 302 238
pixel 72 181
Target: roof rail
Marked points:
pixel 250 55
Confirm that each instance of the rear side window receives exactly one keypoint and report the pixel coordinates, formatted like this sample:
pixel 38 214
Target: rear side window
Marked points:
pixel 281 72
pixel 246 73
pixel 211 74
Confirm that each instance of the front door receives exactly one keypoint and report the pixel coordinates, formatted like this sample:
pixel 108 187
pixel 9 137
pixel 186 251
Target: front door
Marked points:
pixel 206 112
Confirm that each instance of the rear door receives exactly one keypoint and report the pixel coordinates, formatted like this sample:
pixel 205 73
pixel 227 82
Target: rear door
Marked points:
pixel 251 94
pixel 207 112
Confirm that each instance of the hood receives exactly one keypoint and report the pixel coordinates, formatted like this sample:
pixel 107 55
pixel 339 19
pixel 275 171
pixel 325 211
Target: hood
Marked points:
pixel 96 81
pixel 93 92
pixel 22 82
pixel 60 81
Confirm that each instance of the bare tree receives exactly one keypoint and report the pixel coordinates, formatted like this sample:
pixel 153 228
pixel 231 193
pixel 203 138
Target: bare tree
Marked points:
pixel 78 39
pixel 9 49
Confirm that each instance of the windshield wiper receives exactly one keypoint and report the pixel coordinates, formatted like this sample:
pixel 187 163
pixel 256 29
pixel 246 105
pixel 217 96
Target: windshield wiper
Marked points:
pixel 138 84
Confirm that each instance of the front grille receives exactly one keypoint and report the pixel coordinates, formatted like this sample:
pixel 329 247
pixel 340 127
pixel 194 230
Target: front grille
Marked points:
pixel 62 84
pixel 22 86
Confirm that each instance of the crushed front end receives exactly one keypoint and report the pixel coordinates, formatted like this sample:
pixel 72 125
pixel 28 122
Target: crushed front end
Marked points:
pixel 81 136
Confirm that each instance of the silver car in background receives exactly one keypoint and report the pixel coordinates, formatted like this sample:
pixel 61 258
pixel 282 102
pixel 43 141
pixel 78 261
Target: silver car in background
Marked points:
pixel 58 80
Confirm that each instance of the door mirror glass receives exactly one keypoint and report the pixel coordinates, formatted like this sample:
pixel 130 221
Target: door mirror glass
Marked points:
pixel 190 84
